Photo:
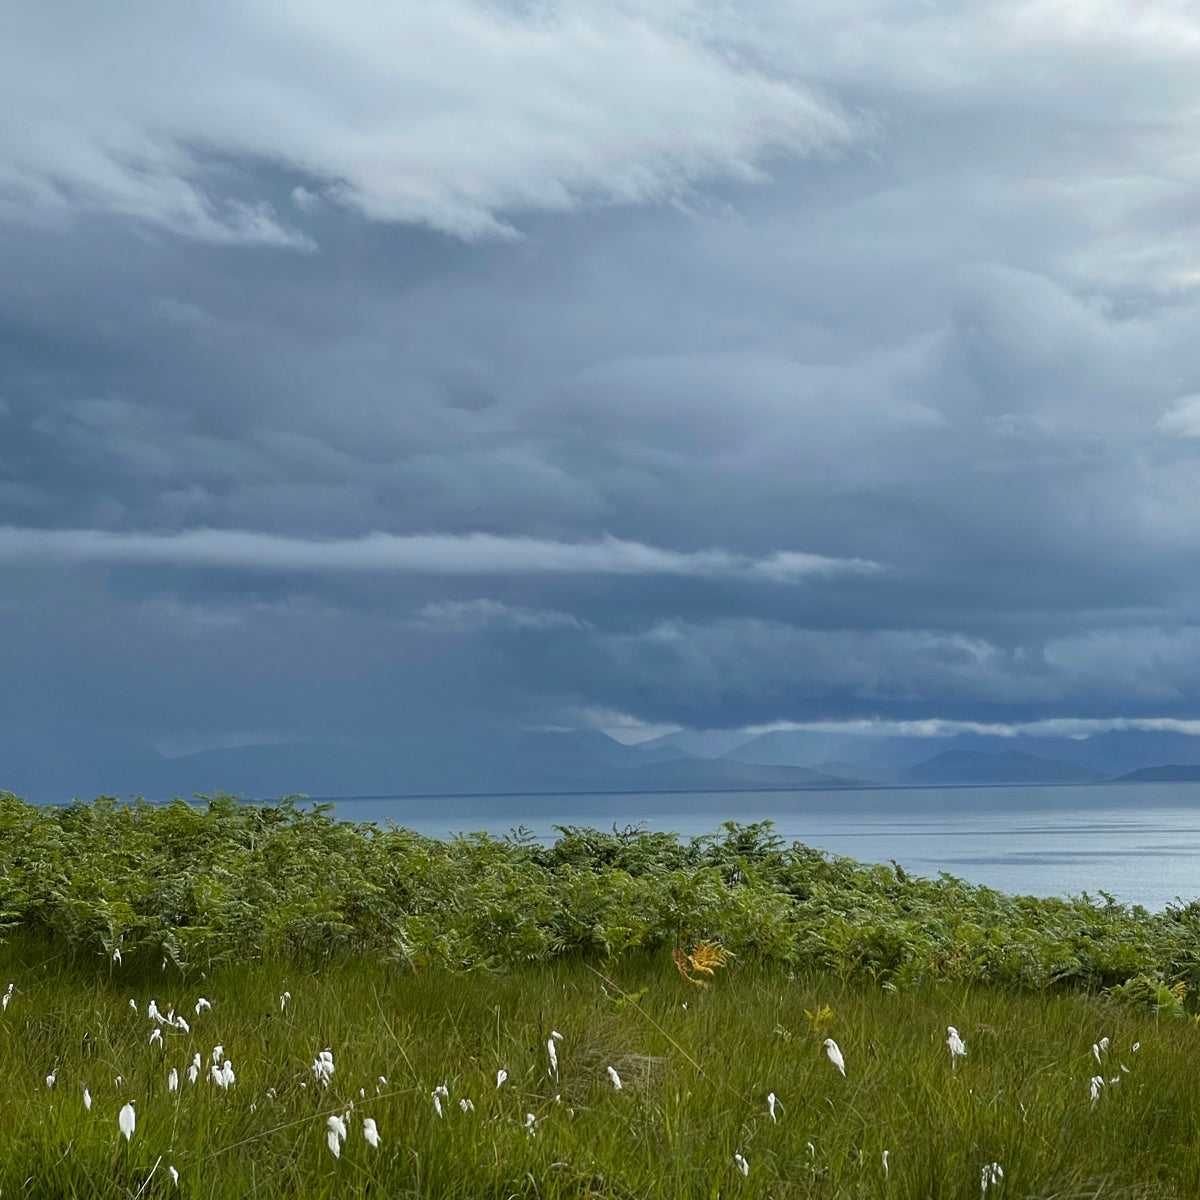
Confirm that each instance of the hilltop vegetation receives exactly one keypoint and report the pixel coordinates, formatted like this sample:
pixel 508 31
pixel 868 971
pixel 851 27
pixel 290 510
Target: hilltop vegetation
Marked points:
pixel 197 885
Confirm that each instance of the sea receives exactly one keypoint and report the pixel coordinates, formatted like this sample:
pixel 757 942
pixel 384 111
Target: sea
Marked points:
pixel 1137 842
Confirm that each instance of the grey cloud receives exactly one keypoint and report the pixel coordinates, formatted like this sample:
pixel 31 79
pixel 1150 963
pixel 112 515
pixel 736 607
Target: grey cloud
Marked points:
pixel 450 115
pixel 477 616
pixel 962 346
pixel 748 670
pixel 435 554
pixel 1182 419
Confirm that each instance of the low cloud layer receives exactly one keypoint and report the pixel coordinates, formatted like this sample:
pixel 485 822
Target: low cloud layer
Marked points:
pixel 842 367
pixel 426 554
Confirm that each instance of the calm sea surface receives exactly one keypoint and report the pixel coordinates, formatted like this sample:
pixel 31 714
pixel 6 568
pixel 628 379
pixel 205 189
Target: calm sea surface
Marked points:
pixel 1140 842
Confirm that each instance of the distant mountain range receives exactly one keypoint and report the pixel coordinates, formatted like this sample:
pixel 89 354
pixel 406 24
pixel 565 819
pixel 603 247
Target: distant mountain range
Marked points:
pixel 447 761
pixel 1174 773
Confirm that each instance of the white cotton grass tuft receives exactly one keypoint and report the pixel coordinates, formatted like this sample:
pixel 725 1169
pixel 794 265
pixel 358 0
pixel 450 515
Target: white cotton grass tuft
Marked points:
pixel 116 955
pixel 771 1102
pixel 834 1051
pixel 437 1095
pixel 1097 1082
pixel 552 1051
pixel 156 1038
pixel 616 1079
pixel 87 1099
pixel 886 1156
pixel 990 1174
pixel 283 1000
pixel 222 1075
pixel 380 1084
pixel 323 1067
pixel 52 1078
pixel 174 1174
pixel 501 1076
pixel 8 995
pixel 335 1134
pixel 466 1105
pixel 956 1046
pixel 173 1080
pixel 202 1005
pixel 127 1121
pixel 371 1132
pixel 133 1004
pixel 741 1164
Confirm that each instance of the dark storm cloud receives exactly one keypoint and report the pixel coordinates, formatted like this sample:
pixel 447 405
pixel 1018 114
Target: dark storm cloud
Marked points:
pixel 706 365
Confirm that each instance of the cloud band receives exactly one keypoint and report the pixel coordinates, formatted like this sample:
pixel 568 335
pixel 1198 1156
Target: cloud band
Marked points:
pixel 425 553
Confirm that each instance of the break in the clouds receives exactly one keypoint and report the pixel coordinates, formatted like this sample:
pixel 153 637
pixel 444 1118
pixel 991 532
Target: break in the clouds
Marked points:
pixel 684 363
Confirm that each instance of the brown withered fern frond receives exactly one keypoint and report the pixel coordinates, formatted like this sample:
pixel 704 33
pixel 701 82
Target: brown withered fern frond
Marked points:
pixel 708 956
pixel 703 960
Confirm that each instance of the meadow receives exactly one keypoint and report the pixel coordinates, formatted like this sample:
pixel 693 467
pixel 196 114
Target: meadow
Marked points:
pixel 273 1003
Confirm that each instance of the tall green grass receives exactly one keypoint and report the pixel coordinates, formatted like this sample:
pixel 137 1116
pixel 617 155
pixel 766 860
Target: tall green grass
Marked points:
pixel 696 1064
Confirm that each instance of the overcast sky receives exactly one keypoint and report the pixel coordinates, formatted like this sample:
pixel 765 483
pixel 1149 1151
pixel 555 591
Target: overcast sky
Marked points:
pixel 634 363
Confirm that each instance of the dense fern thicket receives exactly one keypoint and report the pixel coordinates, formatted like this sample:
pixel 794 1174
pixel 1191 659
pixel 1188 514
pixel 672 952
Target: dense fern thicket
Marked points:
pixel 199 884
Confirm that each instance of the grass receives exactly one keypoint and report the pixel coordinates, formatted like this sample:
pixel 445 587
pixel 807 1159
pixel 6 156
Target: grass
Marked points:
pixel 696 1064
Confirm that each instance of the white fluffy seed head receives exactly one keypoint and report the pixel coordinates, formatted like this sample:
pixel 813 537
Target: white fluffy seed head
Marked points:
pixel 370 1132
pixel 835 1054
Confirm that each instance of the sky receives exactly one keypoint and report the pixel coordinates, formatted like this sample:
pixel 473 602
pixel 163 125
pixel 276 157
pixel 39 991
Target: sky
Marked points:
pixel 634 365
